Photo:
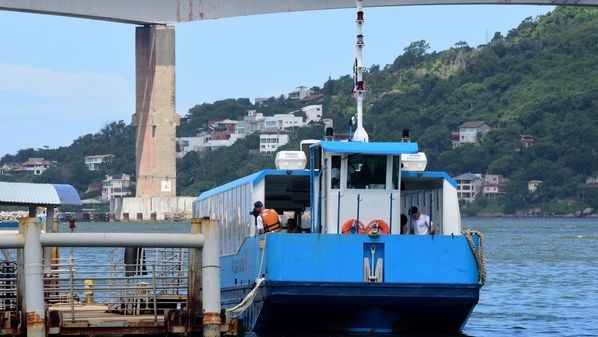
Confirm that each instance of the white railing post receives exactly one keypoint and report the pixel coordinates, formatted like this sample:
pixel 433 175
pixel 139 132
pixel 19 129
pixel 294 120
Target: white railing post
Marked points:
pixel 34 282
pixel 210 278
pixel 71 297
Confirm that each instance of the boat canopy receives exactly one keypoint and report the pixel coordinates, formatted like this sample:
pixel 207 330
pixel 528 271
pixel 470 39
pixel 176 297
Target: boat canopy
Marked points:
pixel 368 148
pixel 254 179
pixel 428 176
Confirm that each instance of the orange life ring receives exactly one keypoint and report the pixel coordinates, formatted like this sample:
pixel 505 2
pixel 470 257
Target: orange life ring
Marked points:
pixel 382 226
pixel 350 224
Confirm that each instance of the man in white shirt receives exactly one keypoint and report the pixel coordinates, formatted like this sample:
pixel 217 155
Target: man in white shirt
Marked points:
pixel 421 222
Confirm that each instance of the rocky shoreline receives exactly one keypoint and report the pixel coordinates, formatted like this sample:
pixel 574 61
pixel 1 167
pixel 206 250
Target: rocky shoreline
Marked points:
pixel 538 213
pixel 10 216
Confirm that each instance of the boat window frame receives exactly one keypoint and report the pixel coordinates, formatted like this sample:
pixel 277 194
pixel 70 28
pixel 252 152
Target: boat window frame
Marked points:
pixel 373 172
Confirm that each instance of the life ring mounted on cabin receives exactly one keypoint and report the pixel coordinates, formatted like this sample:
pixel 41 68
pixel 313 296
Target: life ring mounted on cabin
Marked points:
pixel 378 226
pixel 351 225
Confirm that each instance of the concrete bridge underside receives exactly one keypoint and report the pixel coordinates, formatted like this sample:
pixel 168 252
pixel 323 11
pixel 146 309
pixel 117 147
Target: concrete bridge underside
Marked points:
pixel 173 11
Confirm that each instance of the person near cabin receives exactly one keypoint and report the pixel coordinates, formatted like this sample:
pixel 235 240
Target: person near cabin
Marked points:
pixel 267 219
pixel 421 222
pixel 404 225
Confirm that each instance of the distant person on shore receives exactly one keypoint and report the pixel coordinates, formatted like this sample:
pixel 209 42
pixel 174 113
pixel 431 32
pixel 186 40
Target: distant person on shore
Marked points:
pixel 267 218
pixel 421 222
pixel 72 225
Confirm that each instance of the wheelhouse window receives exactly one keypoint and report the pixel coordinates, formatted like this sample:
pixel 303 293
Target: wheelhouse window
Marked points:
pixel 396 167
pixel 366 172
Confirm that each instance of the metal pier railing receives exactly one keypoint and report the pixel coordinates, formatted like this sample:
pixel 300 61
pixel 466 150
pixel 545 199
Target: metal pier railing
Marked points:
pixel 152 287
pixel 142 284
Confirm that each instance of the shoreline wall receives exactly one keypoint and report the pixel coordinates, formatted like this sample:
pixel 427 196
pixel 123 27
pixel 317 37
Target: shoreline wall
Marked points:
pixel 152 208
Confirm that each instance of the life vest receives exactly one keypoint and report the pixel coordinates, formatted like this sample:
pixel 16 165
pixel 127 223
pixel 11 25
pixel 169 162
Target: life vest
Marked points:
pixel 270 220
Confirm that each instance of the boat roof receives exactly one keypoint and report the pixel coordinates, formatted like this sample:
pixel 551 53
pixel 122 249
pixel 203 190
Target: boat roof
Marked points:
pixel 429 176
pixel 368 148
pixel 254 179
pixel 26 194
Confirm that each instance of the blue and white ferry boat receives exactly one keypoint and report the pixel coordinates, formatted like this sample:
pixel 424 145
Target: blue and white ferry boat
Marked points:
pixel 349 269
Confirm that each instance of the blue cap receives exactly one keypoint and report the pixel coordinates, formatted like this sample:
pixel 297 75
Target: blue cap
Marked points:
pixel 258 204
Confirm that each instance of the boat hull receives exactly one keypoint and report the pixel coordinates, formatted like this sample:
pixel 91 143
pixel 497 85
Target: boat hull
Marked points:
pixel 358 307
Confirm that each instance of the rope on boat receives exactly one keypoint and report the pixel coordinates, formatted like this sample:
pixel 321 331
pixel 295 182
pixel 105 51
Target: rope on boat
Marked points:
pixel 477 253
pixel 240 308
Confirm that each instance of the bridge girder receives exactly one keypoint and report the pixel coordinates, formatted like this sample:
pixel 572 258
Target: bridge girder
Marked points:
pixel 176 11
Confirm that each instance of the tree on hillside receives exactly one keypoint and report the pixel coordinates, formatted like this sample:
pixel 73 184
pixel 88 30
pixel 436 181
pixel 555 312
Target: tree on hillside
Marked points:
pixel 412 54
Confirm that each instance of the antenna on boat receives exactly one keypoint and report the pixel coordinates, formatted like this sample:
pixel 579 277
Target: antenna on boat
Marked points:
pixel 360 134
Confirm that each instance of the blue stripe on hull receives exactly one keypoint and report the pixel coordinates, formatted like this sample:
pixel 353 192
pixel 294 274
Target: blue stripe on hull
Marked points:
pixel 357 307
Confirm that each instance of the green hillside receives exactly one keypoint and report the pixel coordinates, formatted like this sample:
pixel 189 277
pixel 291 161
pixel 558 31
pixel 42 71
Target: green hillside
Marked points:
pixel 541 79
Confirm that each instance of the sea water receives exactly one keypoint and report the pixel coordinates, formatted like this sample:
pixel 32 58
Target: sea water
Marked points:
pixel 542 277
pixel 542 273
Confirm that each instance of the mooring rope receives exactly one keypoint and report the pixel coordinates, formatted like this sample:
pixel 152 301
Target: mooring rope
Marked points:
pixel 477 253
pixel 240 308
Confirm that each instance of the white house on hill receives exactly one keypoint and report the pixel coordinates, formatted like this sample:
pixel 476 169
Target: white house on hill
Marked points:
pixel 470 132
pixel 271 141
pixel 94 162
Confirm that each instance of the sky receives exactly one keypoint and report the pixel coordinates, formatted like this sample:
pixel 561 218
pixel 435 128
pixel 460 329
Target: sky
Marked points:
pixel 62 78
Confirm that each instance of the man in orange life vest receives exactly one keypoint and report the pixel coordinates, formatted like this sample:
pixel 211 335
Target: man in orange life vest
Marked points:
pixel 267 219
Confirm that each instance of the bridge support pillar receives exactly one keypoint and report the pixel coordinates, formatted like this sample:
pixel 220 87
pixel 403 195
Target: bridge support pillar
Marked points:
pixel 155 115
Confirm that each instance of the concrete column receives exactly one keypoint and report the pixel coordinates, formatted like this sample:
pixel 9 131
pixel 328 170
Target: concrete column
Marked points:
pixel 155 115
pixel 34 283
pixel 210 278
pixel 21 291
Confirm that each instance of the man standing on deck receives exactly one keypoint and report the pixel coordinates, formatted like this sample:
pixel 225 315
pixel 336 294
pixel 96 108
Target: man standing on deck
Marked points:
pixel 267 219
pixel 421 222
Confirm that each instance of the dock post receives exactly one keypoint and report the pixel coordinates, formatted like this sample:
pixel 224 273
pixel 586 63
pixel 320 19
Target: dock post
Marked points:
pixel 210 278
pixel 194 301
pixel 34 283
